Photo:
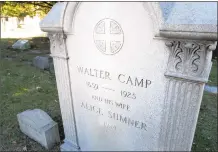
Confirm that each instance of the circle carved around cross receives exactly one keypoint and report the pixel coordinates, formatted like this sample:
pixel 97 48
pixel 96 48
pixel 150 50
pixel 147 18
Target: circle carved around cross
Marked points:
pixel 108 36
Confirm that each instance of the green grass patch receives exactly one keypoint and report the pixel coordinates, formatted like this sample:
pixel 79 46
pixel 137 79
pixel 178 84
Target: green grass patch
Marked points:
pixel 24 87
pixel 206 131
pixel 213 74
pixel 35 42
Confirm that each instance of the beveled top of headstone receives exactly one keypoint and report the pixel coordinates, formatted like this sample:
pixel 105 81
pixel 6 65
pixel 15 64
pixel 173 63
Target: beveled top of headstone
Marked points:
pixel 195 20
pixel 191 13
pixel 59 18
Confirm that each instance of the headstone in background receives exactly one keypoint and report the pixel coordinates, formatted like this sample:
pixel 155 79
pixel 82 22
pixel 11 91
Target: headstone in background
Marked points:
pixel 41 62
pixel 39 126
pixel 126 82
pixel 211 89
pixel 21 45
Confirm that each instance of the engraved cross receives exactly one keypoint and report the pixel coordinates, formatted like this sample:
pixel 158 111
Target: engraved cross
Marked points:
pixel 108 36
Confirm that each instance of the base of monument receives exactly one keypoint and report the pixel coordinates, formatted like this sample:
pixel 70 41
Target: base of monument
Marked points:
pixel 68 146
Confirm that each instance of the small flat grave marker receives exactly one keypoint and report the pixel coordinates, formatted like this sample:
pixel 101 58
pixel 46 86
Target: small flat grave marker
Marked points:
pixel 39 126
pixel 21 45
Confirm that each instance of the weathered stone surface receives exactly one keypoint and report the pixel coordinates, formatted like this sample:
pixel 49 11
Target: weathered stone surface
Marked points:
pixel 41 62
pixel 127 83
pixel 39 126
pixel 21 45
pixel 189 12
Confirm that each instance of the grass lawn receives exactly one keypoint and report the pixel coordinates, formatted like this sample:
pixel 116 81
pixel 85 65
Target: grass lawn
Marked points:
pixel 206 132
pixel 25 87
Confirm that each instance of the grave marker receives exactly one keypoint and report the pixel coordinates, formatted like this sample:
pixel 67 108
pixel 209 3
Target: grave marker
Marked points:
pixel 39 126
pixel 126 82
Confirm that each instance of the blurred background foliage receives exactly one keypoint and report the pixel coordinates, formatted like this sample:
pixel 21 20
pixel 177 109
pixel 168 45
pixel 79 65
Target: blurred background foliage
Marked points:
pixel 22 9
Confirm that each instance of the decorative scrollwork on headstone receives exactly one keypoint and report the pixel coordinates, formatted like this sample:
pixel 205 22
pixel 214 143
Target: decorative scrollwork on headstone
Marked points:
pixel 188 58
pixel 57 44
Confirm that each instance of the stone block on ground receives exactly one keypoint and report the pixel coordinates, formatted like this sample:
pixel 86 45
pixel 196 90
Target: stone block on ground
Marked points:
pixel 39 126
pixel 211 89
pixel 42 62
pixel 21 45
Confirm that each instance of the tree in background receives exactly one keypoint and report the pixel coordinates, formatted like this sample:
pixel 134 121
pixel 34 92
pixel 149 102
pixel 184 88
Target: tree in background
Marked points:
pixel 22 9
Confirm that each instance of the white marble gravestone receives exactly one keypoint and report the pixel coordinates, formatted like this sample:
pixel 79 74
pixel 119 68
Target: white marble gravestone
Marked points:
pixel 126 80
pixel 39 126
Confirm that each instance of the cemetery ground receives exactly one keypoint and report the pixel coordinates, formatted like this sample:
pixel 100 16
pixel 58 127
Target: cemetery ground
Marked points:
pixel 23 87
